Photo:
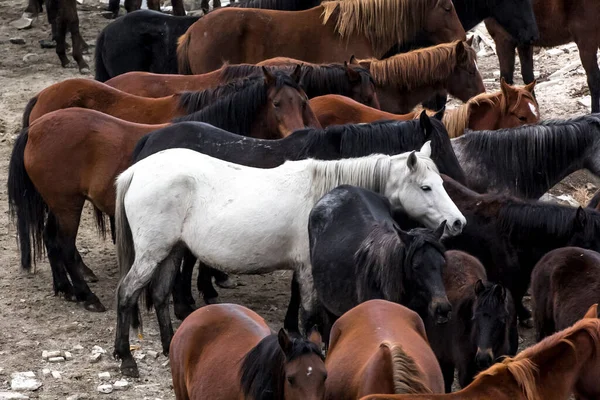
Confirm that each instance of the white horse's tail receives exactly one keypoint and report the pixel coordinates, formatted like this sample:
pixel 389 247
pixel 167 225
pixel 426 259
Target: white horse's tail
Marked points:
pixel 125 249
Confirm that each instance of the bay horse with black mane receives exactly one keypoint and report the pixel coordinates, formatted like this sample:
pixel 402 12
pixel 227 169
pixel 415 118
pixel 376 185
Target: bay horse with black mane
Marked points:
pixel 404 80
pixel 483 326
pixel 564 284
pixel 330 32
pixel 380 347
pixel 358 253
pixel 553 369
pixel 559 22
pixel 226 351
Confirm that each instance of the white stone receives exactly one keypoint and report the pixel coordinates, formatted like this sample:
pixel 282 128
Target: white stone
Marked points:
pixel 68 356
pixel 152 353
pixel 555 52
pixel 46 372
pixel 95 357
pixel 108 388
pixel 12 396
pixel 104 375
pixel 31 57
pixel 50 354
pixel 585 101
pixel 121 384
pixel 77 347
pixel 496 74
pixel 98 349
pixel 56 375
pixel 56 359
pixel 24 381
pixel 165 363
pixel 45 355
pixel 139 356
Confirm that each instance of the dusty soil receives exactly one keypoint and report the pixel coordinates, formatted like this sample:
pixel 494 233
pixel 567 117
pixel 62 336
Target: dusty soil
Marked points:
pixel 32 319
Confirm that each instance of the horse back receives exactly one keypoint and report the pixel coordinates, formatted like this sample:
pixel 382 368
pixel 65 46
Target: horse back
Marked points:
pixel 461 273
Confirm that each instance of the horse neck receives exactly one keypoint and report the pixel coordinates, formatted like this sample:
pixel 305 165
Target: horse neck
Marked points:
pixel 481 116
pixel 400 100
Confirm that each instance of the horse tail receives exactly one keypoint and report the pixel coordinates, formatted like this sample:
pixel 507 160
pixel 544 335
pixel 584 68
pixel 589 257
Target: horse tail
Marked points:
pixel 102 74
pixel 407 376
pixel 183 60
pixel 26 114
pixel 138 149
pixel 25 203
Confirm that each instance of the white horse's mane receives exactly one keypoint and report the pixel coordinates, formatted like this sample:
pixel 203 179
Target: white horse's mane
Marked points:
pixel 371 172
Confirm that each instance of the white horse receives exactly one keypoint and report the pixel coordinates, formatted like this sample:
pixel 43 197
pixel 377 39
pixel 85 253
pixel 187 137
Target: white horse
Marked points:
pixel 245 220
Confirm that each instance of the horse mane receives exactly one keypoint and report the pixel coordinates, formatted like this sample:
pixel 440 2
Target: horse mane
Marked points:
pixel 281 5
pixel 239 105
pixel 383 22
pixel 525 371
pixel 262 369
pixel 514 151
pixel 427 66
pixel 408 378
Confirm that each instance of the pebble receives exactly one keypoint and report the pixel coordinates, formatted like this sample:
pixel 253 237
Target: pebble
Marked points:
pixel 56 359
pixel 139 356
pixel 496 74
pixel 77 347
pixel 104 375
pixel 67 355
pixel 108 388
pixel 49 354
pixel 31 57
pixel 17 40
pixel 98 349
pixel 56 375
pixel 121 384
pixel 46 372
pixel 554 52
pixel 165 363
pixel 78 396
pixel 24 381
pixel 95 357
pixel 152 353
pixel 12 396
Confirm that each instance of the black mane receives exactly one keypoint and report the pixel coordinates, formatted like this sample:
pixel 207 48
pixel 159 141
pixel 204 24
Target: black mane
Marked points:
pixel 262 371
pixel 528 158
pixel 239 105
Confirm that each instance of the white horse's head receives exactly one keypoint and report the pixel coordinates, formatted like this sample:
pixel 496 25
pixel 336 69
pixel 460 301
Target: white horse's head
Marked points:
pixel 415 186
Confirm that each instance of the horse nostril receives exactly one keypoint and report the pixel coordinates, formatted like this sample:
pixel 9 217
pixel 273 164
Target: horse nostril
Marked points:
pixel 484 358
pixel 457 225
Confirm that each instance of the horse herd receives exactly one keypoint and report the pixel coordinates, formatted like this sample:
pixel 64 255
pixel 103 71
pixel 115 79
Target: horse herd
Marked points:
pixel 291 141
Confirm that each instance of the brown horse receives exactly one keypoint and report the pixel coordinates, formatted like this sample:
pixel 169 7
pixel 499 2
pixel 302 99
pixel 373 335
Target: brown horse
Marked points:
pixel 564 283
pixel 93 148
pixel 87 93
pixel 559 22
pixel 510 107
pixel 330 32
pixel 550 370
pixel 483 323
pixel 405 80
pixel 226 351
pixel 380 347
pixel 317 79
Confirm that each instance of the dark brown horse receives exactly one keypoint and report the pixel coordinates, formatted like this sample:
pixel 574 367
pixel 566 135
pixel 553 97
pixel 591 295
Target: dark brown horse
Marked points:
pixel 559 22
pixel 316 80
pixel 564 284
pixel 510 107
pixel 226 351
pixel 482 324
pixel 132 5
pixel 550 370
pixel 380 347
pixel 331 32
pixel 405 80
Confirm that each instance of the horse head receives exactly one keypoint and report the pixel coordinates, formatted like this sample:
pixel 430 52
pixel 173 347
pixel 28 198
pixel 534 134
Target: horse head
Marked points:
pixel 363 85
pixel 465 81
pixel 442 24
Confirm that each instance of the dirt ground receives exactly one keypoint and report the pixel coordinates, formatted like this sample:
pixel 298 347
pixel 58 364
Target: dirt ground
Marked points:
pixel 33 320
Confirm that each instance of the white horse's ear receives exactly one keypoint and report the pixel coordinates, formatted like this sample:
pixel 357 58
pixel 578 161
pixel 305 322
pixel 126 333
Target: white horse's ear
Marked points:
pixel 411 161
pixel 426 149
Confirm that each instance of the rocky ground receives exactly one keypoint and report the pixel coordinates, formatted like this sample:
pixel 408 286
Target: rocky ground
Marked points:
pixel 34 323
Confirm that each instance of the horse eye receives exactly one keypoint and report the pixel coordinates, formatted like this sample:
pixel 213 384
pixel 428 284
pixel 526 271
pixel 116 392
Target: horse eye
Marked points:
pixel 425 188
pixel 276 104
pixel 291 380
pixel 523 119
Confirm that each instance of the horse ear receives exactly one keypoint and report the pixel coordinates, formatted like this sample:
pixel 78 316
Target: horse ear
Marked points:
pixel 440 114
pixel 479 287
pixel 470 41
pixel 531 86
pixel 592 312
pixel 269 77
pixel 354 60
pixel 352 74
pixel 315 337
pixel 500 291
pixel 425 123
pixel 284 341
pixel 580 218
pixel 439 232
pixel 462 55
pixel 297 74
pixel 505 87
pixel 426 149
pixel 411 161
pixel 405 237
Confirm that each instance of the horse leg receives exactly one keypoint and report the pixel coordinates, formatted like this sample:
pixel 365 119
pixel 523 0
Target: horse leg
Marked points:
pixel 113 9
pixel 34 7
pixel 216 4
pixel 308 299
pixel 290 323
pixel 222 279
pixel 79 45
pixel 60 281
pixel 178 8
pixel 59 30
pixel 205 285
pixel 526 57
pixel 437 102
pixel 505 49
pixel 466 373
pixel 132 5
pixel 162 285
pixel 204 6
pixel 153 5
pixel 183 301
pixel 448 373
pixel 588 47
pixel 85 271
pixel 113 232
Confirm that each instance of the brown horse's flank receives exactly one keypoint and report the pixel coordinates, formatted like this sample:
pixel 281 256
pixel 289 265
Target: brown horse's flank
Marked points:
pixel 525 371
pixel 356 17
pixel 424 67
pixel 407 376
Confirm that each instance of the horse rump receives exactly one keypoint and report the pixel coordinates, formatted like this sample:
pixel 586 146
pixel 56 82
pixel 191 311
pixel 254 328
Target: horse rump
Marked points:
pixel 102 74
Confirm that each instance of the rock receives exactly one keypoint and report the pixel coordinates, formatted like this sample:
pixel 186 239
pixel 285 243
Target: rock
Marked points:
pixel 24 381
pixel 152 353
pixel 496 74
pixel 17 40
pixel 555 52
pixel 45 372
pixel 139 355
pixel 12 396
pixel 56 359
pixel 166 363
pixel 77 347
pixel 95 357
pixel 31 57
pixel 98 349
pixel 585 101
pixel 78 396
pixel 108 388
pixel 104 375
pixel 67 355
pixel 121 385
pixel 49 354
pixel 56 375
pixel 25 22
pixel 44 355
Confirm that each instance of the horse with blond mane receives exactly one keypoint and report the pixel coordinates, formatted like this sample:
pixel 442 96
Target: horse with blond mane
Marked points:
pixel 330 32
pixel 561 364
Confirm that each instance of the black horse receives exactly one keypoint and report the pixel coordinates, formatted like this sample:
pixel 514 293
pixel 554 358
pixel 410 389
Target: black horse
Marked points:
pixel 358 253
pixel 335 142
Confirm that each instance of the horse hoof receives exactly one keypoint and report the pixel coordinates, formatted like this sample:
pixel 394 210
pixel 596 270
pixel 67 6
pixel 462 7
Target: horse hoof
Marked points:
pixel 130 370
pixel 527 323
pixel 109 14
pixel 94 306
pixel 227 283
pixel 212 300
pixel 182 311
pixel 85 71
pixel 69 296
pixel 88 275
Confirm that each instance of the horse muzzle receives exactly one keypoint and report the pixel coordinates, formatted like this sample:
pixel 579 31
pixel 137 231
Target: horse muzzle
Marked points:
pixel 441 311
pixel 484 358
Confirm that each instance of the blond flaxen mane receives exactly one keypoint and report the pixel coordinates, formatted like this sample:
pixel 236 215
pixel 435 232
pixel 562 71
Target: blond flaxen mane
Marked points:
pixel 383 22
pixel 525 371
pixel 408 378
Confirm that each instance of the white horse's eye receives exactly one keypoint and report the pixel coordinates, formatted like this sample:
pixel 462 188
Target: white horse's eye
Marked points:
pixel 425 188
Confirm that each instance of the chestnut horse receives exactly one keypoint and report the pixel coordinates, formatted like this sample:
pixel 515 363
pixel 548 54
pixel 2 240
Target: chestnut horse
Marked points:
pixel 510 107
pixel 316 80
pixel 564 283
pixel 94 148
pixel 226 351
pixel 483 323
pixel 380 347
pixel 330 32
pixel 550 370
pixel 405 80
pixel 87 93
pixel 559 22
